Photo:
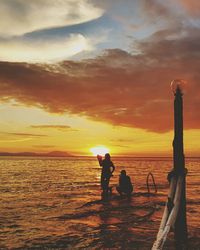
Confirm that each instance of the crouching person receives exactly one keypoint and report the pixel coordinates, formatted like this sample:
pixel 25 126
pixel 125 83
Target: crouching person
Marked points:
pixel 125 185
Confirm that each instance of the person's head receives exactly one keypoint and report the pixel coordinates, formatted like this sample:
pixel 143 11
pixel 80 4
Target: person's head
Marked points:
pixel 123 172
pixel 107 156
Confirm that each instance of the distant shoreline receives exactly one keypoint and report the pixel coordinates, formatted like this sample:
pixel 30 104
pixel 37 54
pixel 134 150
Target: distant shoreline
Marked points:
pixel 61 154
pixel 34 154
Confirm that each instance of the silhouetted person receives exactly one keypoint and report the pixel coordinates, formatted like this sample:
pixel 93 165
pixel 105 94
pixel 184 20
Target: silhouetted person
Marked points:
pixel 107 169
pixel 125 185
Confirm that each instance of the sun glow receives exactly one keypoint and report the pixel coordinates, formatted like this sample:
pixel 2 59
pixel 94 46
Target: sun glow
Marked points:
pixel 99 150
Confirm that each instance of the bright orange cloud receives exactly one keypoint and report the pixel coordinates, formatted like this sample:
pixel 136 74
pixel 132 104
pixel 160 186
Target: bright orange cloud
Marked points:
pixel 116 87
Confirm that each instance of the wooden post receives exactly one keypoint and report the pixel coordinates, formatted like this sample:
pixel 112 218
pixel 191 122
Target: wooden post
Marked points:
pixel 180 232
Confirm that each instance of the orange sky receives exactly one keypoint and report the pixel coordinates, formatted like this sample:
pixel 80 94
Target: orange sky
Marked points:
pixel 62 87
pixel 44 132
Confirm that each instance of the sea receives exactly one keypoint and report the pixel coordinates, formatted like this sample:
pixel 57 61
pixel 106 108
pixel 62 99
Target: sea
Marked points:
pixel 56 203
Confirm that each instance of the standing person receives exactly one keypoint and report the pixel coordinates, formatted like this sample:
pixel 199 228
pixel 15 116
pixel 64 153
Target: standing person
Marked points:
pixel 125 185
pixel 107 169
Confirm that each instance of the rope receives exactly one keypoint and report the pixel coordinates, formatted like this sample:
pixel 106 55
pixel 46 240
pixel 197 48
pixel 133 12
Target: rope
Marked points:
pixel 170 212
pixel 153 180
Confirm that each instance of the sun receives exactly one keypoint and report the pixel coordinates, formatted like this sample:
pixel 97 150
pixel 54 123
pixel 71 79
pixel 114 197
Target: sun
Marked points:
pixel 99 150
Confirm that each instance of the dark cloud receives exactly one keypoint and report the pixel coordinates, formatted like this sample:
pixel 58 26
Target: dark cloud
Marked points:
pixel 43 146
pixel 116 87
pixel 58 127
pixel 23 134
pixel 51 126
pixel 120 146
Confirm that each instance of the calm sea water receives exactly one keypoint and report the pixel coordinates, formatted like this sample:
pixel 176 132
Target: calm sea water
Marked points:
pixel 55 203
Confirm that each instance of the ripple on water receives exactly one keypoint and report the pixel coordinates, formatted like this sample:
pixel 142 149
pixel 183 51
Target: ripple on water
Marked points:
pixel 56 203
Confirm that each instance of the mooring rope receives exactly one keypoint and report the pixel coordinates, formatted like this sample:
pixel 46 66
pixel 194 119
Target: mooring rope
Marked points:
pixel 170 212
pixel 153 180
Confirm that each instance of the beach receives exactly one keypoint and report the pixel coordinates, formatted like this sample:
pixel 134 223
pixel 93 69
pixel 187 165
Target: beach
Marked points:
pixel 55 203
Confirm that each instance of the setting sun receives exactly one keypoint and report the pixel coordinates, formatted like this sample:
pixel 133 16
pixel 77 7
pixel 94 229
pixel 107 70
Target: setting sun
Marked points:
pixel 99 150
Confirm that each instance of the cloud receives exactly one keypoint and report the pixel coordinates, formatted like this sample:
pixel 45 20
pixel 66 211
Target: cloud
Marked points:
pixel 44 146
pixel 43 50
pixel 139 15
pixel 116 87
pixel 58 127
pixel 59 30
pixel 12 137
pixel 46 30
pixel 120 146
pixel 16 140
pixel 21 16
pixel 23 134
pixel 191 6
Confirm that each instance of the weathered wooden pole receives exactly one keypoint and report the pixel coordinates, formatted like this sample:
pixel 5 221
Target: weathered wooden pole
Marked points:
pixel 180 231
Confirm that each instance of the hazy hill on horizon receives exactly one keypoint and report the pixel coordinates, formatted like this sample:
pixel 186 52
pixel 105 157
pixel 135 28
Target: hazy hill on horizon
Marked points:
pixel 49 154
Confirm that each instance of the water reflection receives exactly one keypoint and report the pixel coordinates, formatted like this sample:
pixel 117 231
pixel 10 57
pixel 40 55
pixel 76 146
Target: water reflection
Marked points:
pixel 45 202
pixel 116 225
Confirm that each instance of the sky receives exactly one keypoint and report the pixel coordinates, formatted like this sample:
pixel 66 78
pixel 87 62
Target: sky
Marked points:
pixel 76 74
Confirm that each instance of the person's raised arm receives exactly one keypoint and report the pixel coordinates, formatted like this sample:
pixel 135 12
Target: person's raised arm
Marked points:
pixel 99 158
